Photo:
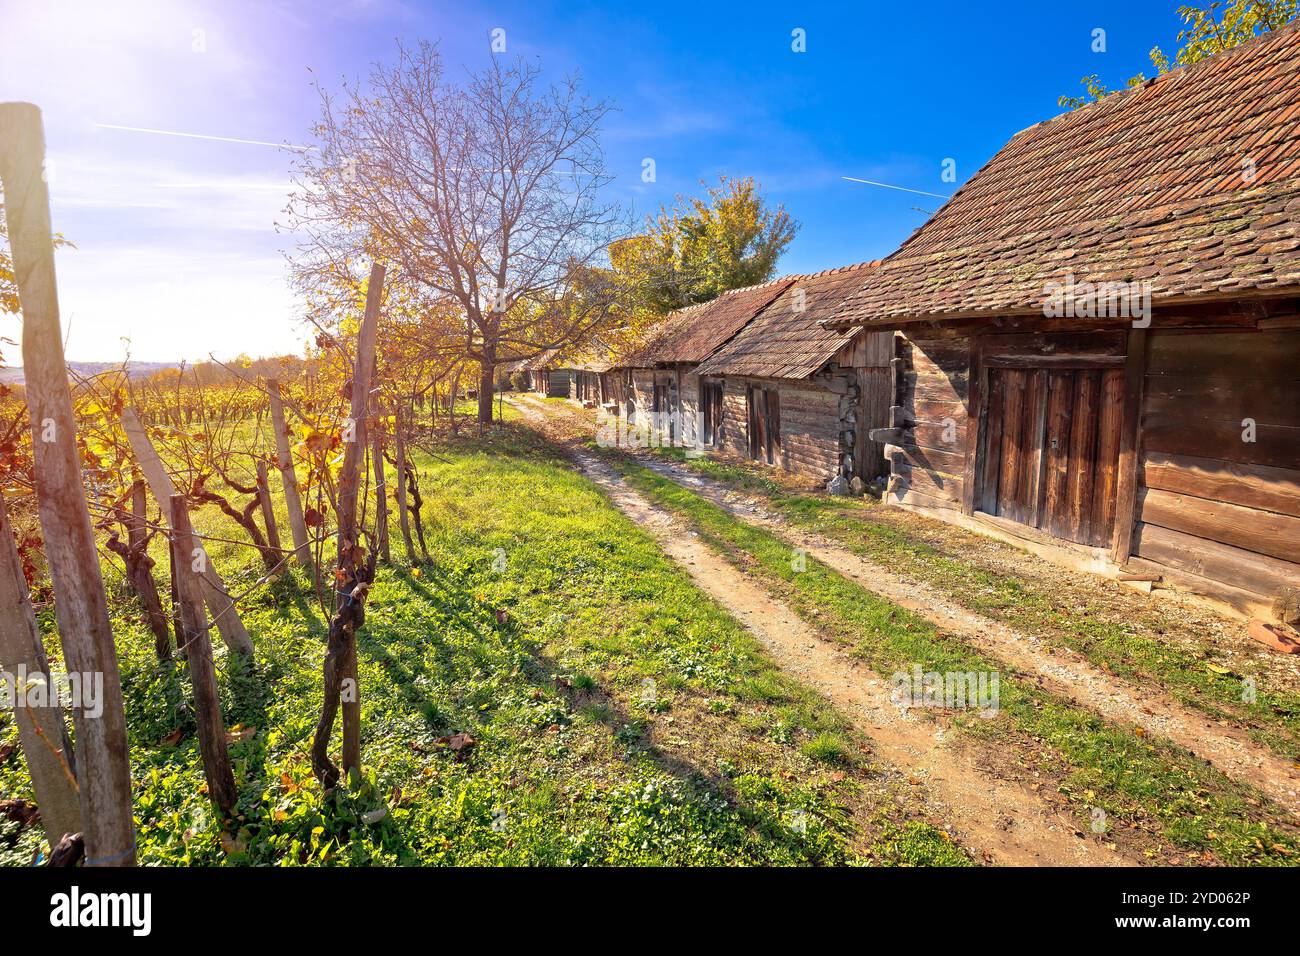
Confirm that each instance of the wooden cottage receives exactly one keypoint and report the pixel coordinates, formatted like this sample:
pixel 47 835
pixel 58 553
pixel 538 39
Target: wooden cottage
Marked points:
pixel 592 382
pixel 791 393
pixel 1098 337
pixel 539 372
pixel 659 384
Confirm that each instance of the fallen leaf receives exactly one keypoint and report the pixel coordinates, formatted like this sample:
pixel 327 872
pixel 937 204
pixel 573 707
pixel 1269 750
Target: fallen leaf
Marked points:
pixel 239 733
pixel 233 844
pixel 460 744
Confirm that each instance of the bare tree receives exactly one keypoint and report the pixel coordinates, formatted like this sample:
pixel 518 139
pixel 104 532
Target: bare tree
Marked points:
pixel 486 193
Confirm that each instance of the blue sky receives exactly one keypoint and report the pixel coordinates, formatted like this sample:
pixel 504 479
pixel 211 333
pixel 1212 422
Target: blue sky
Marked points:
pixel 177 249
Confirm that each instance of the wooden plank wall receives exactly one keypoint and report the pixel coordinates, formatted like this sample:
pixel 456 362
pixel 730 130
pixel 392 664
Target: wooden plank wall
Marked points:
pixel 869 357
pixel 1211 504
pixel 810 439
pixel 735 421
pixel 689 400
pixel 810 433
pixel 558 384
pixel 643 380
pixel 932 390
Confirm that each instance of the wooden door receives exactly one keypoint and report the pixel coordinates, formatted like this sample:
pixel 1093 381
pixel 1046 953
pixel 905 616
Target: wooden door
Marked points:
pixel 764 424
pixel 711 411
pixel 1051 449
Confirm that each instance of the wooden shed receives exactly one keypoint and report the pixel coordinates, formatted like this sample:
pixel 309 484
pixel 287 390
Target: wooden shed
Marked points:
pixel 538 370
pixel 1098 337
pixel 660 387
pixel 788 392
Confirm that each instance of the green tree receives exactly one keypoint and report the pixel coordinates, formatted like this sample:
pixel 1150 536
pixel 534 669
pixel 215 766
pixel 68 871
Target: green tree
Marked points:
pixel 1209 30
pixel 727 239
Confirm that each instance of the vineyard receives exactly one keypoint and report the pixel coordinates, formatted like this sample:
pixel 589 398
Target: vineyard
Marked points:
pixel 317 611
pixel 510 526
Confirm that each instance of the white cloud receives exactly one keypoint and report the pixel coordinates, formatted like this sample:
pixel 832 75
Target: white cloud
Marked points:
pixel 174 304
pixel 157 195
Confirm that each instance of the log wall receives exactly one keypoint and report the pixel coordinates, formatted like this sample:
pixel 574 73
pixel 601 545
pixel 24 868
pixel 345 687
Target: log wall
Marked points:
pixel 1216 497
pixel 1219 477
pixel 931 380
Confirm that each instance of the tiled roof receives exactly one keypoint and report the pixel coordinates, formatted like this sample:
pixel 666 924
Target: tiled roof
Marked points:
pixel 787 340
pixel 534 364
pixel 654 337
pixel 1190 181
pixel 692 334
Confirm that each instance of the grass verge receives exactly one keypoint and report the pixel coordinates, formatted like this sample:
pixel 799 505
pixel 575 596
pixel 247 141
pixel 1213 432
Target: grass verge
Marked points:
pixel 618 715
pixel 1137 781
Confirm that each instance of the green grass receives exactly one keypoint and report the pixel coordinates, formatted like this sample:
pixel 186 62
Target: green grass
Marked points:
pixel 620 716
pixel 1133 648
pixel 1136 780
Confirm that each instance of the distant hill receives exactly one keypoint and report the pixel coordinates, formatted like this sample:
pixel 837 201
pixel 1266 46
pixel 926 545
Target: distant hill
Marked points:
pixel 14 376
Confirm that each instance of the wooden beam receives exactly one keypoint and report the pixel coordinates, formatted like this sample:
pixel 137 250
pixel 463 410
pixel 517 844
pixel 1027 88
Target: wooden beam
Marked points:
pixel 339 673
pixel 190 560
pixel 1262 532
pixel 1251 486
pixel 1238 567
pixel 41 731
pixel 1130 441
pixel 975 430
pixel 1054 361
pixel 888 436
pixel 268 514
pixel 218 599
pixel 81 608
pixel 289 478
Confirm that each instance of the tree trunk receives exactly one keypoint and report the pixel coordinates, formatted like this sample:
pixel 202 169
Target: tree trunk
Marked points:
pixel 103 757
pixel 214 588
pixel 352 578
pixel 485 386
pixel 198 643
pixel 293 503
pixel 41 731
pixel 451 401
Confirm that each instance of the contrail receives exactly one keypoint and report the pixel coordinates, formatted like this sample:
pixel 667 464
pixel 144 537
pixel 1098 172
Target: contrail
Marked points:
pixel 872 182
pixel 219 139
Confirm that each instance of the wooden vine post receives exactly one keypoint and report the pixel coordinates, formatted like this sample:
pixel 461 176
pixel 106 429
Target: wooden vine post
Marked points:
pixel 103 758
pixel 268 514
pixel 284 461
pixel 218 600
pixel 381 482
pixel 41 730
pixel 190 560
pixel 352 577
pixel 399 451
pixel 138 532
